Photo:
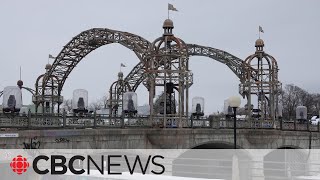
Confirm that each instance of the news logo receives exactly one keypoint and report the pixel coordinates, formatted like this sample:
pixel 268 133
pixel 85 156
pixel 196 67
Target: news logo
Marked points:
pixel 19 164
pixel 105 164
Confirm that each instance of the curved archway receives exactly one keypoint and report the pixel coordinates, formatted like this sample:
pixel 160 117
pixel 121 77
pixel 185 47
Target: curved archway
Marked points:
pixel 87 41
pixel 200 162
pixel 237 65
pixel 285 162
pixel 214 145
pixel 81 45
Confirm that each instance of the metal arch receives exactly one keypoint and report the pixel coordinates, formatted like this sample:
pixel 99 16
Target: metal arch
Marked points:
pixel 22 87
pixel 42 90
pixel 237 65
pixel 135 77
pixel 32 91
pixel 87 41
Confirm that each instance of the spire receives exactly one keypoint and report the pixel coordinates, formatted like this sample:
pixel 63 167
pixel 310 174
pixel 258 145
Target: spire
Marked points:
pixel 259 44
pixel 167 27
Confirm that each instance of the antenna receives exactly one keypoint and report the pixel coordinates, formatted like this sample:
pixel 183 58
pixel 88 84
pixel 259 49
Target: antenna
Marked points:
pixel 20 72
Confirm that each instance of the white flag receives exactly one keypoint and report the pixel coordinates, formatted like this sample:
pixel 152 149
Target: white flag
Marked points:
pixel 122 65
pixel 260 29
pixel 170 7
pixel 51 57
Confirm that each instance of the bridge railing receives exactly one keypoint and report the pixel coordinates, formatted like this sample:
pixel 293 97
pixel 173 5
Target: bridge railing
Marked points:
pixel 40 121
pixel 263 124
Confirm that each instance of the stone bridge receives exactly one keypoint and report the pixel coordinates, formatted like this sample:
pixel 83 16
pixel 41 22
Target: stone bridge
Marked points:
pixel 158 138
pixel 258 164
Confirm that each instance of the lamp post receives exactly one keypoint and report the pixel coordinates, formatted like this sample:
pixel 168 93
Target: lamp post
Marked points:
pixel 234 102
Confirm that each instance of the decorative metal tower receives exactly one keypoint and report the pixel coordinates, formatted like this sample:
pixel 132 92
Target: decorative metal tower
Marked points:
pixel 116 95
pixel 47 96
pixel 262 81
pixel 167 67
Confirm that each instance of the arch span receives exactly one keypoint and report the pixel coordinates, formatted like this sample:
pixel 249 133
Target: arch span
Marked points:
pixel 237 65
pixel 81 45
pixel 87 41
pixel 203 163
pixel 214 145
pixel 286 162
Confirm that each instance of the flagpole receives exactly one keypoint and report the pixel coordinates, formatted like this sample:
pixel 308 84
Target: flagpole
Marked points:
pixel 259 32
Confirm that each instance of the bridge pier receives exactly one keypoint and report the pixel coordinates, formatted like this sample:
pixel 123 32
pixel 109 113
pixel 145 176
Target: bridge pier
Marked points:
pixel 257 171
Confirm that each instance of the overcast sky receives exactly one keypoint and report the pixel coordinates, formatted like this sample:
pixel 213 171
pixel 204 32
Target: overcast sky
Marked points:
pixel 30 30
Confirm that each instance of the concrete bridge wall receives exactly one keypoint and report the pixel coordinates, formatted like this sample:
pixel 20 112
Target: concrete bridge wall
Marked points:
pixel 158 139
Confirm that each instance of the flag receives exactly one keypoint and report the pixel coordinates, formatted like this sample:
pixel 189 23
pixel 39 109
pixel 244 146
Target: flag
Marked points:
pixel 170 7
pixel 51 57
pixel 260 29
pixel 122 65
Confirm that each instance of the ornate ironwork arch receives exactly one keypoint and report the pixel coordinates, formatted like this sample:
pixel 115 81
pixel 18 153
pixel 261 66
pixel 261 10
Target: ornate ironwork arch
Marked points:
pixel 87 41
pixel 237 65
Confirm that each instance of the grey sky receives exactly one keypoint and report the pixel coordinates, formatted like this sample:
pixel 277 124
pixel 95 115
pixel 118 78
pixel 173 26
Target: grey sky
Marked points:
pixel 30 30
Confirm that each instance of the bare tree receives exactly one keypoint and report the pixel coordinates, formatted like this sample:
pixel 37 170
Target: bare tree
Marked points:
pixel 316 104
pixel 96 105
pixel 104 101
pixel 294 96
pixel 307 100
pixel 100 103
pixel 67 104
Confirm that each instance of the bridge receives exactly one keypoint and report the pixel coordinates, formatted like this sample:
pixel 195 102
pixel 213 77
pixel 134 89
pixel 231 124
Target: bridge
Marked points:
pixel 163 65
pixel 255 164
pixel 142 138
pixel 138 133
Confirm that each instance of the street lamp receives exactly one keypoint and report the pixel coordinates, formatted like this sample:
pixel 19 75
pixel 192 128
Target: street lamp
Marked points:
pixel 234 102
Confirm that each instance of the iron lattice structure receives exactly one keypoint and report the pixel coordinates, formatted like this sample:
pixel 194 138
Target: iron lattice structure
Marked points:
pixel 76 50
pixel 264 85
pixel 236 65
pixel 116 91
pixel 89 40
pixel 168 69
pixel 156 65
pixel 47 92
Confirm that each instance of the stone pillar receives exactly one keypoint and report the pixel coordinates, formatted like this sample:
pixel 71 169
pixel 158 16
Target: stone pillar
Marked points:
pixel 313 166
pixel 257 171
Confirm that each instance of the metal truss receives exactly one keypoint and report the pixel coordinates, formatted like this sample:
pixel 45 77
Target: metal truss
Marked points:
pixel 237 65
pixel 89 40
pixel 116 91
pixel 47 95
pixel 265 85
pixel 75 50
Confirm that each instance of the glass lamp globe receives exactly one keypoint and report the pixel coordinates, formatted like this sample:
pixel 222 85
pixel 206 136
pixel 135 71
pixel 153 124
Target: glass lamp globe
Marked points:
pixel 234 101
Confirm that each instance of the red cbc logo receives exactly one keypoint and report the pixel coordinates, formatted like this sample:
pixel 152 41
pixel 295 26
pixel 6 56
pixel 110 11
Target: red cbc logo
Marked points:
pixel 19 164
